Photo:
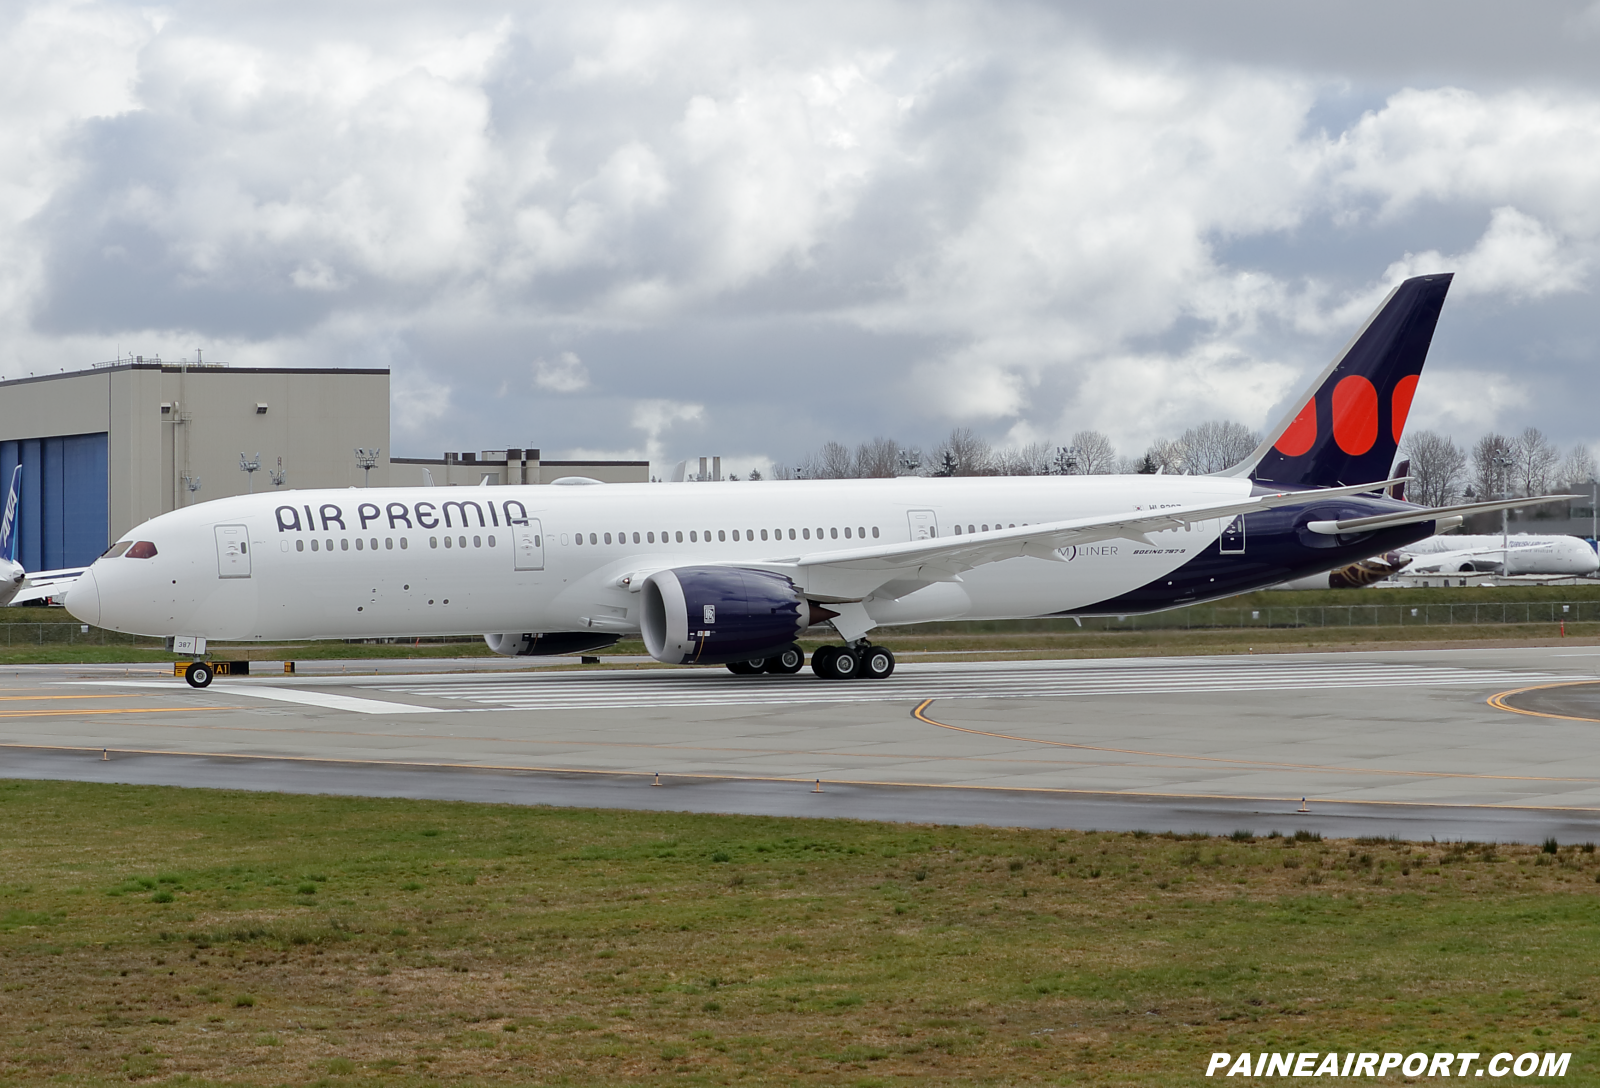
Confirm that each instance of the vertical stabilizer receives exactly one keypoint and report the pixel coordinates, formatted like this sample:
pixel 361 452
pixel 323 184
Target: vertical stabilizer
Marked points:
pixel 1346 428
pixel 8 520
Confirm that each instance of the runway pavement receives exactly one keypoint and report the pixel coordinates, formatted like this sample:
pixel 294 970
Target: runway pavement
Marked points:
pixel 1403 743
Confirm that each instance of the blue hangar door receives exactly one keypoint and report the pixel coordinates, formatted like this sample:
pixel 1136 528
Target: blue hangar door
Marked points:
pixel 61 517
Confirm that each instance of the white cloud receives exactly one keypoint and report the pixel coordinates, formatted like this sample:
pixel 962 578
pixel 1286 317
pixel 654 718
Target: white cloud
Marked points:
pixel 566 374
pixel 874 217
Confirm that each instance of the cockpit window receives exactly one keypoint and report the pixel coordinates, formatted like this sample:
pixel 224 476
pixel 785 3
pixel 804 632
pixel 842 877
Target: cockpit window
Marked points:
pixel 142 550
pixel 117 549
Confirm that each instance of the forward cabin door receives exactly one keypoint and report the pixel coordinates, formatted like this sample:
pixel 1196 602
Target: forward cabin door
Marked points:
pixel 924 526
pixel 529 540
pixel 233 551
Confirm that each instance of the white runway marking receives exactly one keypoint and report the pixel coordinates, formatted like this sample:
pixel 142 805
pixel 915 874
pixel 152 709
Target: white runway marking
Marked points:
pixel 582 691
pixel 281 694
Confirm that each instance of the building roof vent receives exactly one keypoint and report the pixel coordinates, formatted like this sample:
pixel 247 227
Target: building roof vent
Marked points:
pixel 261 408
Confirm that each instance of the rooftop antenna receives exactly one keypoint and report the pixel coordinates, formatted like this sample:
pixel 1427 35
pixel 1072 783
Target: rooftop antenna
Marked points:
pixel 367 459
pixel 279 476
pixel 248 467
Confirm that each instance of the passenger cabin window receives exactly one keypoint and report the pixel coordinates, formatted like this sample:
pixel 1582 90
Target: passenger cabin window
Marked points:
pixel 806 533
pixel 433 542
pixel 405 542
pixel 874 532
pixel 300 545
pixel 847 532
pixel 680 536
pixel 722 534
pixel 791 534
pixel 834 533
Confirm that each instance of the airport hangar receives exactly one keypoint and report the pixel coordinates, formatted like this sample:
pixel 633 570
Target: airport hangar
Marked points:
pixel 107 448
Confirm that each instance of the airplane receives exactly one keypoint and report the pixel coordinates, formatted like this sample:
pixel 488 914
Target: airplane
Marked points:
pixel 11 573
pixel 17 586
pixel 1518 553
pixel 733 575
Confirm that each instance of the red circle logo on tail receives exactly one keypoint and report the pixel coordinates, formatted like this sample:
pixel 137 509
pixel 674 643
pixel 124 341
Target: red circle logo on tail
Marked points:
pixel 1403 392
pixel 1299 436
pixel 1355 415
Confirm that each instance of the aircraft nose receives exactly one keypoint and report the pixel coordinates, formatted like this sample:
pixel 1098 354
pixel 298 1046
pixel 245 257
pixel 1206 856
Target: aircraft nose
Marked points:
pixel 83 599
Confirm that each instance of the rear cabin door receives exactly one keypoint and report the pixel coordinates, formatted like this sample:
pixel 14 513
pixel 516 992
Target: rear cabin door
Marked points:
pixel 233 551
pixel 529 539
pixel 1232 542
pixel 924 526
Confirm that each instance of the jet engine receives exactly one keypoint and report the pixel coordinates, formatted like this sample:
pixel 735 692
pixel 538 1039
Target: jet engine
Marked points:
pixel 549 645
pixel 714 615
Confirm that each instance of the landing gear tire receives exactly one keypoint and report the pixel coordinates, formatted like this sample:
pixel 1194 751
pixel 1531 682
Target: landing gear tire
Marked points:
pixel 877 663
pixel 786 661
pixel 198 674
pixel 839 664
pixel 747 668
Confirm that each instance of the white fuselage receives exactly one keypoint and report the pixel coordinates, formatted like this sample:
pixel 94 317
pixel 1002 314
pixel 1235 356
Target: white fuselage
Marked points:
pixel 395 561
pixel 1519 553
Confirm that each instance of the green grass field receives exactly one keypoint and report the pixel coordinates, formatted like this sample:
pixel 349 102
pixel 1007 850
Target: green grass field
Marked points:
pixel 169 936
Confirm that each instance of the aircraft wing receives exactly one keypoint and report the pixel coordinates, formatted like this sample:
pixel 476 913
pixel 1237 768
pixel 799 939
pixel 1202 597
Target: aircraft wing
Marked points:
pixel 1411 517
pixel 854 572
pixel 47 583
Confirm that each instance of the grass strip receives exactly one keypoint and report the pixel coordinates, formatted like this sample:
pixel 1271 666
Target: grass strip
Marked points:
pixel 192 936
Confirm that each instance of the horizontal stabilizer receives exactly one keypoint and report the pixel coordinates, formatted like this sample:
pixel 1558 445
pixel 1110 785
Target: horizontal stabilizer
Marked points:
pixel 1411 517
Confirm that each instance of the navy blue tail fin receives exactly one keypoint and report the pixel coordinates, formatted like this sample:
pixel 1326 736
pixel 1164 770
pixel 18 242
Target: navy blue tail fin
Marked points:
pixel 8 520
pixel 1346 428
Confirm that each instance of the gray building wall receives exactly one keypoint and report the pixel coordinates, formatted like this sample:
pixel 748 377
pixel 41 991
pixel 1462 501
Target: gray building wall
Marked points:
pixel 165 421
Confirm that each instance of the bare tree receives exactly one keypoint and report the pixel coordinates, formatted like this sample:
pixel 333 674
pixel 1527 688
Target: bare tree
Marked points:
pixel 964 454
pixel 1578 469
pixel 1217 444
pixel 878 459
pixel 1537 460
pixel 1493 459
pixel 1096 455
pixel 1034 459
pixel 1166 455
pixel 1438 468
pixel 832 462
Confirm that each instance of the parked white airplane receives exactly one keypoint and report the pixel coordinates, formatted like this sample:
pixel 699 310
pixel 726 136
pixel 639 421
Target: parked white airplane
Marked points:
pixel 1519 553
pixel 17 586
pixel 733 574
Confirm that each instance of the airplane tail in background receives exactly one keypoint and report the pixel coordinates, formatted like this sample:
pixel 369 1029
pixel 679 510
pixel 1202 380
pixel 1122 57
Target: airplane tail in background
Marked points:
pixel 1347 427
pixel 8 521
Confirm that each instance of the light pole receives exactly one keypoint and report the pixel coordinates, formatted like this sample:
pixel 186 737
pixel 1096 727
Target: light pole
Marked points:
pixel 367 459
pixel 910 461
pixel 248 467
pixel 1503 462
pixel 279 476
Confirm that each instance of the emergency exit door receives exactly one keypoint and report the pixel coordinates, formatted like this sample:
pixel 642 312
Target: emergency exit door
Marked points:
pixel 233 551
pixel 529 540
pixel 924 526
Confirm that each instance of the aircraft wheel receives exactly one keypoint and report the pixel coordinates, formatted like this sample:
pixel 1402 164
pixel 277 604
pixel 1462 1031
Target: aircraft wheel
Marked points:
pixel 786 661
pixel 746 668
pixel 877 663
pixel 198 674
pixel 843 664
pixel 822 661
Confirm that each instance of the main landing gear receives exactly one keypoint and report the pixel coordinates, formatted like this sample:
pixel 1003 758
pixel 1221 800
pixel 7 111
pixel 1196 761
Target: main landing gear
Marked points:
pixel 787 660
pixel 861 658
pixel 829 662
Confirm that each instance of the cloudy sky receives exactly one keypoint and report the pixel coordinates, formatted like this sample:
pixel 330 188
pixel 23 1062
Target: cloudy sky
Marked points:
pixel 676 229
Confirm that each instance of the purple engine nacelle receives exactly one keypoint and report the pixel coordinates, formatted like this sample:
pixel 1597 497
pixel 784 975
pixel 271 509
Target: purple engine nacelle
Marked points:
pixel 714 615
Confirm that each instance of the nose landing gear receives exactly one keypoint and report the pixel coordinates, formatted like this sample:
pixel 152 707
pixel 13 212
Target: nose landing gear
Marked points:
pixel 198 674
